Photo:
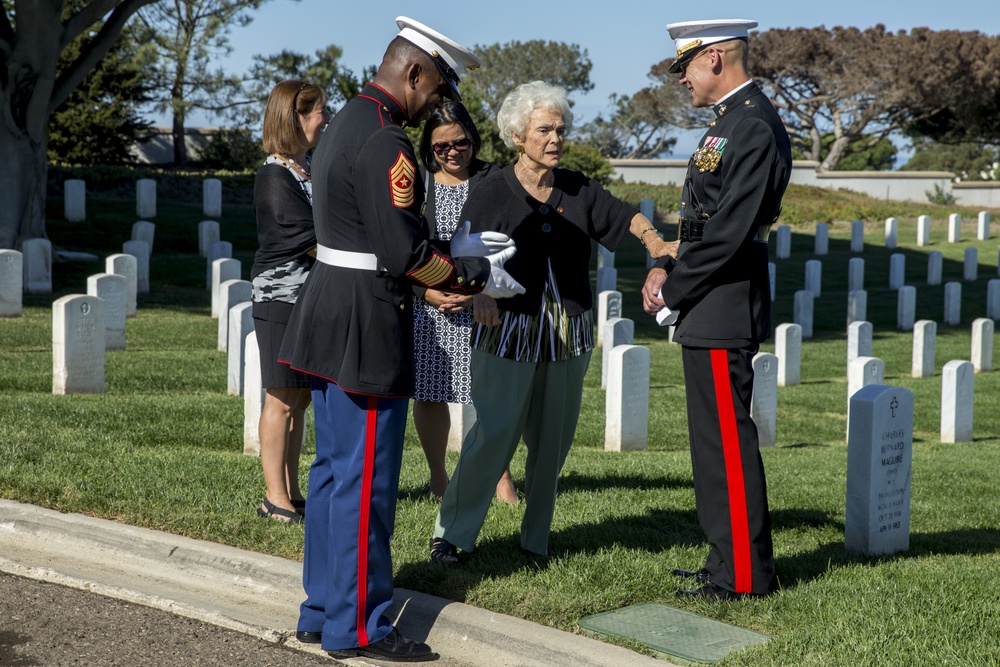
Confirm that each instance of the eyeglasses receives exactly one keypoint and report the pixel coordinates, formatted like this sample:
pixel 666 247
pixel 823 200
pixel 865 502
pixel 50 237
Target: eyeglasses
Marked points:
pixel 684 66
pixel 460 146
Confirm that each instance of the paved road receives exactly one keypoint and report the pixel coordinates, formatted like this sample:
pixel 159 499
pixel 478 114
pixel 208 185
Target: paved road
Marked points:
pixel 43 624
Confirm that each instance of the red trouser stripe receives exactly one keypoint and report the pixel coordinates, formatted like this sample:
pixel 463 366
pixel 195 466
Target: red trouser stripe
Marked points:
pixel 371 421
pixel 734 471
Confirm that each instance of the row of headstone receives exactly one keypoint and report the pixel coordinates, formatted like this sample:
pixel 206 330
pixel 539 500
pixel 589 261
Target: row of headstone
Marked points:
pixel 75 198
pixel 783 245
pixel 859 344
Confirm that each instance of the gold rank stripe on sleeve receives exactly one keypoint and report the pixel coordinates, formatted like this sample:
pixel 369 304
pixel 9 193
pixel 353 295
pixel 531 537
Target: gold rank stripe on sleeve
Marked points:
pixel 401 181
pixel 432 272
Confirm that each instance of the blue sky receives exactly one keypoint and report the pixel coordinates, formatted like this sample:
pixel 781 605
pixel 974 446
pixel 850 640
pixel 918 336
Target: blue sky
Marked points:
pixel 623 38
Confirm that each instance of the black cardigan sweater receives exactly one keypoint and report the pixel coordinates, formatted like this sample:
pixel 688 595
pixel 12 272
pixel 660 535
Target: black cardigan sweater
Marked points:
pixel 559 231
pixel 284 218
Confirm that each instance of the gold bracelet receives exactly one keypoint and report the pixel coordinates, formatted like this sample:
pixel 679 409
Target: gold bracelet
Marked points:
pixel 642 236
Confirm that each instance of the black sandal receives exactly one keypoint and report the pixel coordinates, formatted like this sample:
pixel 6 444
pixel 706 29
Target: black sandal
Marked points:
pixel 272 511
pixel 443 551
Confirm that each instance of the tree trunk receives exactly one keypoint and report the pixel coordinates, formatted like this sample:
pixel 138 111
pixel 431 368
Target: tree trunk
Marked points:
pixel 180 143
pixel 23 173
pixel 837 149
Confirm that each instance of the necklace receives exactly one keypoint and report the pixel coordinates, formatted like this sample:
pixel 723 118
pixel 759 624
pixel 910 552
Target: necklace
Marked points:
pixel 301 169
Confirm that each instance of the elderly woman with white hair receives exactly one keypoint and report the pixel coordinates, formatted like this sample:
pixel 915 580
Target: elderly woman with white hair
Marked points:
pixel 530 352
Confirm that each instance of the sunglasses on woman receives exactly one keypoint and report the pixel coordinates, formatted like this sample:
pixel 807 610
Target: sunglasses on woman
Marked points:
pixel 460 146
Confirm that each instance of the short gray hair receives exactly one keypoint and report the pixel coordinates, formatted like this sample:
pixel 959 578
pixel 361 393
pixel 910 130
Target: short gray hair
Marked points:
pixel 515 112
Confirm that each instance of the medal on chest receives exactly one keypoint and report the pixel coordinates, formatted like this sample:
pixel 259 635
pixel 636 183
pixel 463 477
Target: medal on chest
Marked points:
pixel 708 156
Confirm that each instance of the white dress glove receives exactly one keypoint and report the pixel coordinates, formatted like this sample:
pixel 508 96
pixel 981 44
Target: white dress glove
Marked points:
pixel 501 284
pixel 495 247
pixel 481 244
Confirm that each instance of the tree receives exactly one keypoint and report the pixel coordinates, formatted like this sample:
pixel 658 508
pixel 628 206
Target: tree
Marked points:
pixel 100 122
pixel 639 126
pixel 189 35
pixel 506 66
pixel 32 37
pixel 867 84
pixel 322 69
pixel 865 154
pixel 966 160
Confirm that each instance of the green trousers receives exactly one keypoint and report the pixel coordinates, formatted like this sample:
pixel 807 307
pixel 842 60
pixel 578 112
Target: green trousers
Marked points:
pixel 539 402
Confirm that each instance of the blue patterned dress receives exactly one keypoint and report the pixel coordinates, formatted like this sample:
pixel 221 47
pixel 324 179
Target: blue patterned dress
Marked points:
pixel 441 352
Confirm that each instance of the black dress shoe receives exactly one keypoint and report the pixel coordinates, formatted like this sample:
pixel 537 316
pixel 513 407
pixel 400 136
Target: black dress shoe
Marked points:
pixel 714 592
pixel 309 637
pixel 394 647
pixel 702 576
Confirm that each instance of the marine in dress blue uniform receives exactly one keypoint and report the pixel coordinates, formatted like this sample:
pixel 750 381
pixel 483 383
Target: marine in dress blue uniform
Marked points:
pixel 351 331
pixel 719 287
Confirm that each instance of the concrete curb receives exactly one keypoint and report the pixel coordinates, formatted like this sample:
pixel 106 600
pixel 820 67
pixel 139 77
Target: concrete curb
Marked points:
pixel 259 594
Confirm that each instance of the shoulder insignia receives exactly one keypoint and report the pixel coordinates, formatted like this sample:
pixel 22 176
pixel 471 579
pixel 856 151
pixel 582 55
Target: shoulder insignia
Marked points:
pixel 401 181
pixel 432 272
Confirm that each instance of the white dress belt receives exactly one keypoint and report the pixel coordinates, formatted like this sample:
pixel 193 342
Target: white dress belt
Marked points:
pixel 365 261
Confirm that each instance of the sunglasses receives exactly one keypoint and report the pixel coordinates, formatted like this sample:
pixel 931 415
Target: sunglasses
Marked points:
pixel 460 146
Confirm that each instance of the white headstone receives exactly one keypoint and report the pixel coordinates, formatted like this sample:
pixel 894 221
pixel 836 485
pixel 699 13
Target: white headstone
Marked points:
pixel 855 274
pixel 879 465
pixel 857 306
pixel 982 344
pixel 788 350
pixel 211 195
pixel 822 243
pixel 970 268
pixel 954 228
pixel 897 270
pixel 12 283
pixel 139 250
pixel 78 345
pixel 952 303
pixel 862 372
pixel 857 236
pixel 764 402
pixel 906 307
pixel 609 304
pixel 223 270
pixel 617 331
pixel 891 233
pixel 802 313
pixel 145 198
pixel 36 262
pixel 253 396
pixel 110 288
pixel 983 226
pixel 923 230
pixel 772 275
pixel 648 208
pixel 208 235
pixel 627 401
pixel 218 250
pixel 783 244
pixel 814 277
pixel 463 418
pixel 240 324
pixel 127 266
pixel 231 294
pixel 607 279
pixel 859 341
pixel 957 393
pixel 924 348
pixel 993 299
pixel 75 202
pixel 144 230
pixel 605 257
pixel 935 264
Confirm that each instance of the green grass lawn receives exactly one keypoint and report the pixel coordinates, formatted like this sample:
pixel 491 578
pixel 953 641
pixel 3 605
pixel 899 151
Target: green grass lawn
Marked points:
pixel 162 448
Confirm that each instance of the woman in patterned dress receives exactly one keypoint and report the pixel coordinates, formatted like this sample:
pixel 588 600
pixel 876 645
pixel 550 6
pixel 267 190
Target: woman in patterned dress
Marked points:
pixel 530 352
pixel 442 321
pixel 294 120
